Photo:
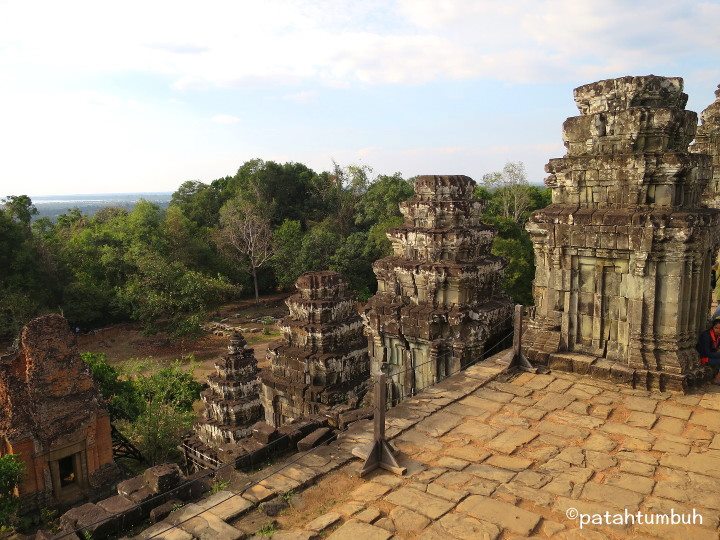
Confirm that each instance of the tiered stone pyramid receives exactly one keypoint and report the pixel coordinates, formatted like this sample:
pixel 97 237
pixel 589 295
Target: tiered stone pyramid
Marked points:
pixel 439 305
pixel 707 141
pixel 322 359
pixel 232 401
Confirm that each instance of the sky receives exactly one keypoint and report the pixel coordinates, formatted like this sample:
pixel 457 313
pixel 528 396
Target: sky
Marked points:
pixel 107 97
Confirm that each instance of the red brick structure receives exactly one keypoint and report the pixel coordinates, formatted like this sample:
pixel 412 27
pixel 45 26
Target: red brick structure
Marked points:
pixel 51 414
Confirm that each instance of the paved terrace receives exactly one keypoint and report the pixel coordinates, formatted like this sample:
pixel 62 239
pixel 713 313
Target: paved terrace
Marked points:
pixel 495 457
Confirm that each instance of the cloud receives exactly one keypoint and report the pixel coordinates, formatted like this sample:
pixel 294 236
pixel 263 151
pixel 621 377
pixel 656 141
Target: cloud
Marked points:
pixel 227 119
pixel 303 96
pixel 177 48
pixel 231 44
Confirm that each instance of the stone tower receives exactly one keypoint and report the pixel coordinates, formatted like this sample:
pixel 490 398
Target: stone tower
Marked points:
pixel 53 416
pixel 232 399
pixel 438 305
pixel 623 253
pixel 322 360
pixel 707 141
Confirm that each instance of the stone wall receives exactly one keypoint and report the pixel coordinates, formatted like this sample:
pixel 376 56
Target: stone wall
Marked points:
pixel 154 494
pixel 623 253
pixel 439 303
pixel 322 360
pixel 52 416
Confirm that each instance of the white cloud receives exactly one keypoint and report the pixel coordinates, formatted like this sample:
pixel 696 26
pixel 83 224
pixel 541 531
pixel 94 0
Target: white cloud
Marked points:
pixel 126 131
pixel 304 96
pixel 227 44
pixel 225 119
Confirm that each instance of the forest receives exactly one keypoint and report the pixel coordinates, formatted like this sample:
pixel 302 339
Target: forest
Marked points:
pixel 248 234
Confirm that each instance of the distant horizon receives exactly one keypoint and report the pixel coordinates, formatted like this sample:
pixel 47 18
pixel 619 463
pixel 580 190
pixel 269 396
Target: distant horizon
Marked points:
pixel 104 193
pixel 108 193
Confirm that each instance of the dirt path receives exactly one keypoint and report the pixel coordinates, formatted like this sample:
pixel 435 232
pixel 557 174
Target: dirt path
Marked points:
pixel 125 344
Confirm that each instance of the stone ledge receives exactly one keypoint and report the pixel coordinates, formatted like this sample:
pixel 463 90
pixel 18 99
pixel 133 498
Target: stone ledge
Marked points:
pixel 324 459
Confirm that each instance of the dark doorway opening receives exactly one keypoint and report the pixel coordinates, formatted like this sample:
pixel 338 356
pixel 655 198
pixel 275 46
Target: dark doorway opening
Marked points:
pixel 68 475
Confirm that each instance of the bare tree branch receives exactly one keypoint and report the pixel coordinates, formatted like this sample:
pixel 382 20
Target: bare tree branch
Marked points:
pixel 245 235
pixel 513 190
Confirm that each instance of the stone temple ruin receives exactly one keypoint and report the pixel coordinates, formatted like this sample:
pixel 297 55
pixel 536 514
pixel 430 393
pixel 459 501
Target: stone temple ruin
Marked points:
pixel 51 416
pixel 321 362
pixel 707 141
pixel 232 403
pixel 623 253
pixel 438 306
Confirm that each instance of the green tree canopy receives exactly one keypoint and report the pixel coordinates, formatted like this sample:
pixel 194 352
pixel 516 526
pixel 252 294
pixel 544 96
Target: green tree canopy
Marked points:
pixel 19 208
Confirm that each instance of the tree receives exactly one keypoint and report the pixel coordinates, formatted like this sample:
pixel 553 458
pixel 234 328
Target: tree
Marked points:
pixel 165 294
pixel 20 208
pixel 121 395
pixel 170 385
pixel 508 216
pixel 381 200
pixel 12 470
pixel 350 184
pixel 246 236
pixel 350 259
pixel 287 242
pixel 155 411
pixel 158 431
pixel 199 202
pixel 26 281
pixel 513 193
pixel 280 191
pixel 318 247
pixel 168 396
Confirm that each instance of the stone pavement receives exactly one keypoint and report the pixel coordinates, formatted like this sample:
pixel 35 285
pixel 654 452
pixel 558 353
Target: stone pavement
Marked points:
pixel 494 458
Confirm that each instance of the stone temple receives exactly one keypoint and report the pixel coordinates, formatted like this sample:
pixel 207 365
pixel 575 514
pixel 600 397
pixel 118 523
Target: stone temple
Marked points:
pixel 322 360
pixel 232 405
pixel 232 399
pixel 707 141
pixel 439 305
pixel 51 415
pixel 624 252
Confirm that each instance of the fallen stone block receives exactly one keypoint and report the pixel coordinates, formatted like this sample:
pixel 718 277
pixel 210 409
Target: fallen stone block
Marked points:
pixel 316 438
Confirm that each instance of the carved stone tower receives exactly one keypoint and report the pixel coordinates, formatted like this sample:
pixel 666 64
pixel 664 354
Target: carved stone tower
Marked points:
pixel 322 360
pixel 438 305
pixel 232 400
pixel 623 253
pixel 707 141
pixel 53 416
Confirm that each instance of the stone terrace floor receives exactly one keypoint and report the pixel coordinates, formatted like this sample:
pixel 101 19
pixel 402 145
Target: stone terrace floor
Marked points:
pixel 494 458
